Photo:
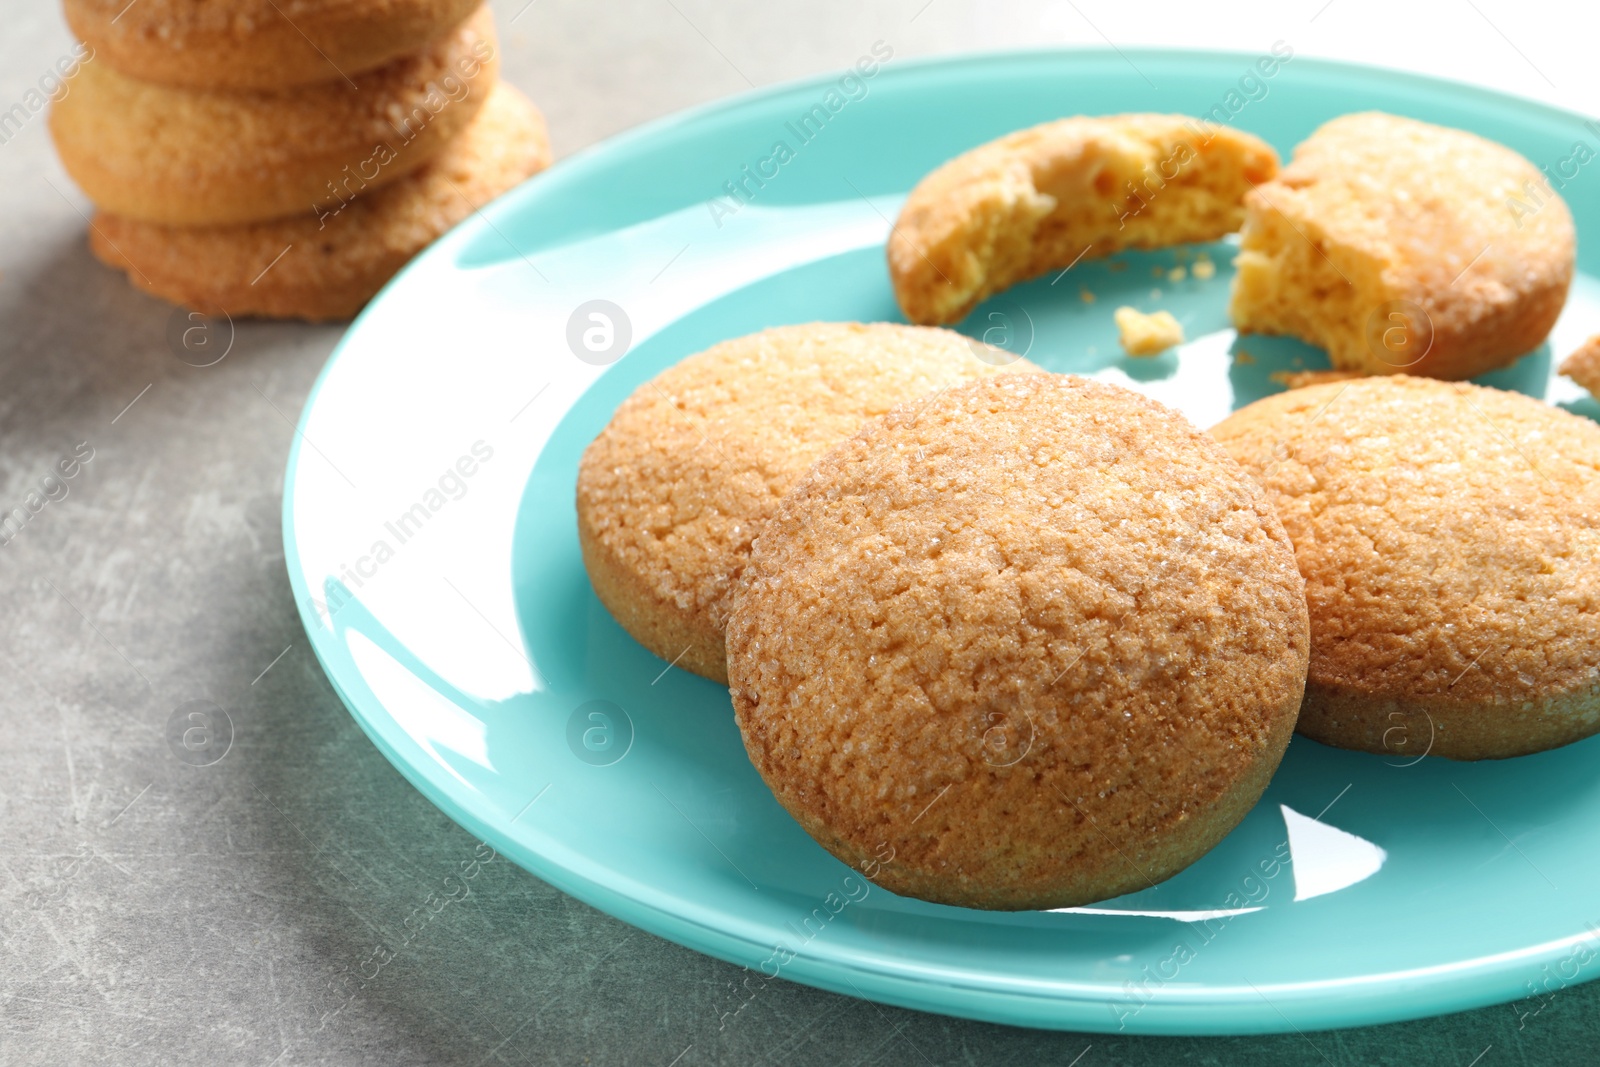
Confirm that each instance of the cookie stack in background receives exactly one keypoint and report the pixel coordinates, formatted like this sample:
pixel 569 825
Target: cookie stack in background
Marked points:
pixel 286 158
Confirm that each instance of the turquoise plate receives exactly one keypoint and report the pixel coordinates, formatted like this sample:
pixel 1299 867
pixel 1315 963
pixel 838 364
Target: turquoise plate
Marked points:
pixel 429 530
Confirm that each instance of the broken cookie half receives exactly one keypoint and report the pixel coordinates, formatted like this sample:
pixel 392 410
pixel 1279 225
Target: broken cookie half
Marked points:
pixel 1043 198
pixel 1583 366
pixel 1401 246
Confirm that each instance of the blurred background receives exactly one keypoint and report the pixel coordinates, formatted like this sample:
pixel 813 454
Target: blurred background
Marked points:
pixel 156 912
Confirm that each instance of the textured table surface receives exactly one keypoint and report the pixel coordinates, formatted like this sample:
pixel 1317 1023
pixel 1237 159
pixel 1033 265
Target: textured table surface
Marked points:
pixel 156 912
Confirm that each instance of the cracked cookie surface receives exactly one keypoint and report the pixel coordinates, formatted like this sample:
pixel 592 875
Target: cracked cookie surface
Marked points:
pixel 1036 644
pixel 675 488
pixel 1448 534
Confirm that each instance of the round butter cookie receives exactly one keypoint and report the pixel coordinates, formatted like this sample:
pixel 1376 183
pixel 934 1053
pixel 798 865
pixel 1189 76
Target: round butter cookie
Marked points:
pixel 675 488
pixel 317 269
pixel 1043 198
pixel 257 44
pixel 1402 247
pixel 190 158
pixel 1033 645
pixel 1448 535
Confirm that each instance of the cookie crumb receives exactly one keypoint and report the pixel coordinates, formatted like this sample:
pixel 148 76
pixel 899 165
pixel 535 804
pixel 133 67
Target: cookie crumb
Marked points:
pixel 1147 335
pixel 1243 358
pixel 1085 295
pixel 1203 268
pixel 1177 274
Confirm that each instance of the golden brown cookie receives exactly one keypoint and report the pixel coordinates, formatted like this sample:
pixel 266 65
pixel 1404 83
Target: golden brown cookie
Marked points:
pixel 675 488
pixel 1401 247
pixel 310 268
pixel 1448 535
pixel 1034 645
pixel 257 44
pixel 1583 366
pixel 192 158
pixel 1040 199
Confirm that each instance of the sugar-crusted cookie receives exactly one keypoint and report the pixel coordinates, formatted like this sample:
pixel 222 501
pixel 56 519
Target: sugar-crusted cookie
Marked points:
pixel 326 268
pixel 184 157
pixel 1034 645
pixel 257 44
pixel 1042 198
pixel 673 491
pixel 1404 247
pixel 1583 365
pixel 1448 535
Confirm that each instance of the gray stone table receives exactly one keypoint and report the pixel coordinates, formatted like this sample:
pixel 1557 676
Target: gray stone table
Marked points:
pixel 153 912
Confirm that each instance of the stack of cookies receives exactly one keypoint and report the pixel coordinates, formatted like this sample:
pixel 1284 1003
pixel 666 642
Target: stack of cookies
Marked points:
pixel 286 158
